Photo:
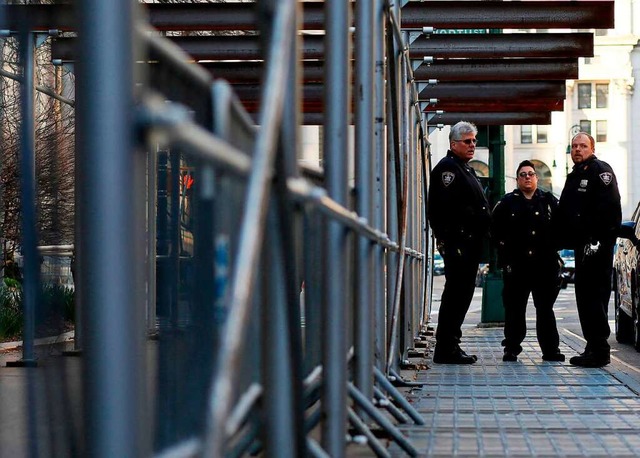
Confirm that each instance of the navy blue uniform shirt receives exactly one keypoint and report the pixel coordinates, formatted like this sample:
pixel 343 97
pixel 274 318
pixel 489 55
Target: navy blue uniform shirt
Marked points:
pixel 521 228
pixel 458 209
pixel 590 207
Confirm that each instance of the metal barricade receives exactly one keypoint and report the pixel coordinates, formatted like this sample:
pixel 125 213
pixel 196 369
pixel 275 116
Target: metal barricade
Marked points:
pixel 198 236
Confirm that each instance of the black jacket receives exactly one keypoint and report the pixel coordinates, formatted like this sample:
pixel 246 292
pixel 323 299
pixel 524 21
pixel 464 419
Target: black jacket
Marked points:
pixel 590 207
pixel 521 229
pixel 458 210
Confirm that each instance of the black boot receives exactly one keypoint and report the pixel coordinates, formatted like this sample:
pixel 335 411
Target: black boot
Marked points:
pixel 591 359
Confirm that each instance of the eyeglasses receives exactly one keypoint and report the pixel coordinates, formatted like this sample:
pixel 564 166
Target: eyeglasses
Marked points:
pixel 468 141
pixel 527 174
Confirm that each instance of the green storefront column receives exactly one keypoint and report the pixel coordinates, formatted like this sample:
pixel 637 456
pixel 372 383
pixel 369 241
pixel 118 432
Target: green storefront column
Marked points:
pixel 492 306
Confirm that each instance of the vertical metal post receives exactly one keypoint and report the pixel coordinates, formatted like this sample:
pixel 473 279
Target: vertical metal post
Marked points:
pixel 152 189
pixel 78 268
pixel 393 151
pixel 379 180
pixel 403 275
pixel 113 325
pixel 492 307
pixel 31 263
pixel 291 234
pixel 278 397
pixel 314 231
pixel 337 100
pixel 364 110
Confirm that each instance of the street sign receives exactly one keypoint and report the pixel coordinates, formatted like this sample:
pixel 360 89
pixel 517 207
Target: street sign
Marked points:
pixel 460 31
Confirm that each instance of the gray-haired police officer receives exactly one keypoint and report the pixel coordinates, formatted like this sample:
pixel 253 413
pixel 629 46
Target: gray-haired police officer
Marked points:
pixel 588 221
pixel 521 229
pixel 459 215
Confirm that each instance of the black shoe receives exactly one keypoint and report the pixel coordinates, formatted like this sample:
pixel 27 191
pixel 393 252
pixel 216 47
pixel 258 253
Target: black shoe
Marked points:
pixel 463 353
pixel 590 360
pixel 509 356
pixel 452 357
pixel 553 356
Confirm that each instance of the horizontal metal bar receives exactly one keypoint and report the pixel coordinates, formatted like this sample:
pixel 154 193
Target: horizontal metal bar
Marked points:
pixel 494 119
pixel 305 192
pixel 439 14
pixel 166 52
pixel 243 408
pixel 314 112
pixel 499 105
pixel 248 47
pixel 313 93
pixel 310 194
pixel 188 448
pixel 509 15
pixel 442 69
pixel 176 127
pixel 43 89
pixel 530 69
pixel 493 90
pixel 503 45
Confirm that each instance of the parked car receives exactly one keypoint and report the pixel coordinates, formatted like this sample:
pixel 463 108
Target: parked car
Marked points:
pixel 438 264
pixel 568 271
pixel 481 275
pixel 626 282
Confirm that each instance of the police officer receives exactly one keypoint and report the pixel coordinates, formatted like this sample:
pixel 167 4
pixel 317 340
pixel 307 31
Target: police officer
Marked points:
pixel 588 221
pixel 521 229
pixel 460 218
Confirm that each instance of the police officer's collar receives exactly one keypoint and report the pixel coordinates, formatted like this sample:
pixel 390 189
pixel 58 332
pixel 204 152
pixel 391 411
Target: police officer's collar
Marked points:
pixel 453 156
pixel 586 163
pixel 536 193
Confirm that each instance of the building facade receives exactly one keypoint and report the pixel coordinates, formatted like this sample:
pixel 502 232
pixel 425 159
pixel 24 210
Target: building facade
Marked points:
pixel 603 102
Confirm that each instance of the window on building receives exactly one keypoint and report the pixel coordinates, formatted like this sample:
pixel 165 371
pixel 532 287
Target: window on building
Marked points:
pixel 544 175
pixel 601 131
pixel 526 135
pixel 602 95
pixel 584 95
pixel 542 134
pixel 585 126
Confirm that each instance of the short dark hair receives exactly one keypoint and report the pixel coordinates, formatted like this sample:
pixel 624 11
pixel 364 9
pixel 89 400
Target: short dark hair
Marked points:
pixel 591 139
pixel 525 163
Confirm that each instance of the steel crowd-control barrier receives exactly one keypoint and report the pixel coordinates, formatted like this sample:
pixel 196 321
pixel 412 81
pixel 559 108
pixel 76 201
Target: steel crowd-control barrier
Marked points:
pixel 232 301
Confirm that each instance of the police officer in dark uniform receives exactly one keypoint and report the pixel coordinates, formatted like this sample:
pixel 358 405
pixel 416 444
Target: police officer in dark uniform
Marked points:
pixel 588 221
pixel 521 229
pixel 459 215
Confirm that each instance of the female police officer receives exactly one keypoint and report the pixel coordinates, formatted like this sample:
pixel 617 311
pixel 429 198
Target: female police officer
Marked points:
pixel 521 229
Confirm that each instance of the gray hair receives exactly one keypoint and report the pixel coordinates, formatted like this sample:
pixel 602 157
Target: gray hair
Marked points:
pixel 461 128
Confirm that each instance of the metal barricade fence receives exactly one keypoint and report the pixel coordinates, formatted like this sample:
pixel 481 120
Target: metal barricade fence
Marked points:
pixel 197 233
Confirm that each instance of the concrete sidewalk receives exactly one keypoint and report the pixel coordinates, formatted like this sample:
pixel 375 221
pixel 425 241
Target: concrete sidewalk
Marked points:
pixel 525 408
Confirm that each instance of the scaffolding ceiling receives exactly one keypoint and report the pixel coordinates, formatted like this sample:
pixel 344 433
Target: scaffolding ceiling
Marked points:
pixel 512 78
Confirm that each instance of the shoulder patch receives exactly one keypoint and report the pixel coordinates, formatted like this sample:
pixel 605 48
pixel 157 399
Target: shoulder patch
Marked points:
pixel 447 178
pixel 606 177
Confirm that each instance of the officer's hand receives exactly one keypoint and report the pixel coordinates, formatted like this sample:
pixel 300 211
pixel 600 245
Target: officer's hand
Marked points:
pixel 591 248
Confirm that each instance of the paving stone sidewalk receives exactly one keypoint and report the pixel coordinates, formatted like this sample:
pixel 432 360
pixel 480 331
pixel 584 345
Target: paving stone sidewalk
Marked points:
pixel 526 408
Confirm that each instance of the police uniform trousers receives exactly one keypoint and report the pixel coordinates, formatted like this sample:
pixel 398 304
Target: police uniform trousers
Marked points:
pixel 540 280
pixel 593 290
pixel 460 270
